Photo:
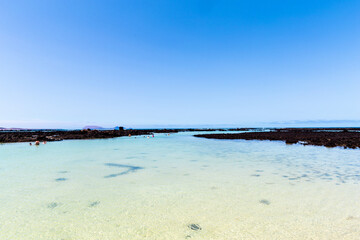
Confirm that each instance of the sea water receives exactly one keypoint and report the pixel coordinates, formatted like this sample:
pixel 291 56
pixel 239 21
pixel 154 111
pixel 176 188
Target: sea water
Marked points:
pixel 178 187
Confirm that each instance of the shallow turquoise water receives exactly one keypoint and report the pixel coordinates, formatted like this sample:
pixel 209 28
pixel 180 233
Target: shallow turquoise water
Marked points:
pixel 155 188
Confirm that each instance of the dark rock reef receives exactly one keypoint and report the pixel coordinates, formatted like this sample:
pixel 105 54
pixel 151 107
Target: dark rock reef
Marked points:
pixel 328 137
pixel 59 135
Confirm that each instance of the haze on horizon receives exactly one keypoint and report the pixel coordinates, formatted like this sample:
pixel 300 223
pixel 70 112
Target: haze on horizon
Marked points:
pixel 190 62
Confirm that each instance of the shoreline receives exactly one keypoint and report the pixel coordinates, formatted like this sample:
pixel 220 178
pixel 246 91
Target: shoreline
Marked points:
pixel 328 137
pixel 14 136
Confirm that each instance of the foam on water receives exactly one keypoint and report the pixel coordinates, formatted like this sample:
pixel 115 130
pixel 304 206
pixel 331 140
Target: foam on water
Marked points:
pixel 178 187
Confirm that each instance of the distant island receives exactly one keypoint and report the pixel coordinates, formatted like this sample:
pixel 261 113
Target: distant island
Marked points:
pixel 12 129
pixel 94 127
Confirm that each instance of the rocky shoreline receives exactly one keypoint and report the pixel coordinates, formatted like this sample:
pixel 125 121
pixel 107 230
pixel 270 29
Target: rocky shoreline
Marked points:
pixel 328 137
pixel 59 135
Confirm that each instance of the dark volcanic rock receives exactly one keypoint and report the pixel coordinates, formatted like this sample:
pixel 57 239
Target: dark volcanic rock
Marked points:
pixel 58 135
pixel 337 137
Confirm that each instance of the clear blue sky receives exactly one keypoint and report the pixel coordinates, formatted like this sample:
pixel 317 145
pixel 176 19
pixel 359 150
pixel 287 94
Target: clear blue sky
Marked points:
pixel 73 63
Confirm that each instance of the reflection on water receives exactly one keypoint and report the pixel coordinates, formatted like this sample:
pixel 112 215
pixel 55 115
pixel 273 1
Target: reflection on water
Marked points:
pixel 178 187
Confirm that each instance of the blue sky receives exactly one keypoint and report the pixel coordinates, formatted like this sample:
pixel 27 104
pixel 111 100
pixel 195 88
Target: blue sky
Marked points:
pixel 75 63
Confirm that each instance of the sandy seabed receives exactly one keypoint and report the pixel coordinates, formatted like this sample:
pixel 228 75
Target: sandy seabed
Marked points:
pixel 178 187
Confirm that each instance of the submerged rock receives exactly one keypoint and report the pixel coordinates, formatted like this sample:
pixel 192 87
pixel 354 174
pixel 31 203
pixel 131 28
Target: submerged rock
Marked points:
pixel 195 227
pixel 130 169
pixel 264 201
pixel 93 204
pixel 52 205
pixel 60 179
pixel 255 175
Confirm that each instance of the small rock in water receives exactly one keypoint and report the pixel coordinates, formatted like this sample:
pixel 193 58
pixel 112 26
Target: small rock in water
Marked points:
pixel 52 205
pixel 264 201
pixel 93 204
pixel 195 227
pixel 291 179
pixel 60 179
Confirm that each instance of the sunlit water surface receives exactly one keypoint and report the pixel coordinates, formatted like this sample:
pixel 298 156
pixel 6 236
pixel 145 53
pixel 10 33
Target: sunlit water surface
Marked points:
pixel 178 187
